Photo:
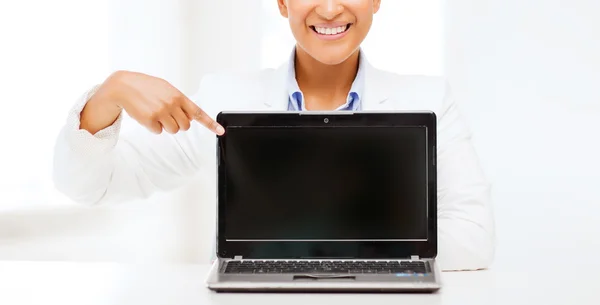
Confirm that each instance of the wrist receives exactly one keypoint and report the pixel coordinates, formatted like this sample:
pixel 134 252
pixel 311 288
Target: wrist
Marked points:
pixel 105 97
pixel 100 111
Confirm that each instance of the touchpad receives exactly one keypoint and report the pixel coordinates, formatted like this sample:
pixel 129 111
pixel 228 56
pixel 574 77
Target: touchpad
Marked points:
pixel 319 278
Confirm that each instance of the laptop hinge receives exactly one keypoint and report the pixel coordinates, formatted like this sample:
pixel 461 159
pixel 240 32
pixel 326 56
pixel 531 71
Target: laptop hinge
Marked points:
pixel 237 257
pixel 414 257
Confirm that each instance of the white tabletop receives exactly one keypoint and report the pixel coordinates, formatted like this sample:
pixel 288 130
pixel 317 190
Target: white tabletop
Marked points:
pixel 107 283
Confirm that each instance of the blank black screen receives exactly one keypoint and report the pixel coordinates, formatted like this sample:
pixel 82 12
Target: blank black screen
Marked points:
pixel 324 183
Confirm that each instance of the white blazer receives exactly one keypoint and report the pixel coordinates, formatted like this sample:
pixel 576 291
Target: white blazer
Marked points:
pixel 119 164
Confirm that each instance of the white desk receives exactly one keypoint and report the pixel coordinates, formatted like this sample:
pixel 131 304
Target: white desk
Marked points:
pixel 104 283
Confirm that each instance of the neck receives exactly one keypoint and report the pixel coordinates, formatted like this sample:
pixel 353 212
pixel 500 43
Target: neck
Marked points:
pixel 325 87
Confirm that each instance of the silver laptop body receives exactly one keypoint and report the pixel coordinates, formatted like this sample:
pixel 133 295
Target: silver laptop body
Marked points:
pixel 294 214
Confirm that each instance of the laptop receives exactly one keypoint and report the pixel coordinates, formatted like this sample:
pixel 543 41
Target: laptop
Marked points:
pixel 326 201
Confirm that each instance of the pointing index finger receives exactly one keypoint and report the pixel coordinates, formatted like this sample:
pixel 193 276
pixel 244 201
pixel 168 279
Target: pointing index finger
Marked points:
pixel 207 121
pixel 196 113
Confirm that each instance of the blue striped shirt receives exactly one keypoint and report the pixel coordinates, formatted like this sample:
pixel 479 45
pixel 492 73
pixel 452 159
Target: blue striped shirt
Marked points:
pixel 296 97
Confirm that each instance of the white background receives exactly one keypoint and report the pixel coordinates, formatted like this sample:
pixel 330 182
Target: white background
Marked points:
pixel 527 75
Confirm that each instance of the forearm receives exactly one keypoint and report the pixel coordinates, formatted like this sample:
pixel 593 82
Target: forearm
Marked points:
pixel 115 166
pixel 466 233
pixel 105 173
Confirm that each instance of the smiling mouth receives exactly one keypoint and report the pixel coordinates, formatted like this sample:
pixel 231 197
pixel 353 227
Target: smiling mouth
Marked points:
pixel 331 31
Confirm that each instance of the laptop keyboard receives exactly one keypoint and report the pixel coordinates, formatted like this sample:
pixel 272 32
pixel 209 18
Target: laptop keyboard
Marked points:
pixel 330 267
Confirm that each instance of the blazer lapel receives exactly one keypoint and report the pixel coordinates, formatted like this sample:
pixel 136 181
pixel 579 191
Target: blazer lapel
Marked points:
pixel 275 95
pixel 376 94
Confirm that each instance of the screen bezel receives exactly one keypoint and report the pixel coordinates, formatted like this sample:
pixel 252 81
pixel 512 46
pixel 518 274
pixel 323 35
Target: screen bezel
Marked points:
pixel 330 249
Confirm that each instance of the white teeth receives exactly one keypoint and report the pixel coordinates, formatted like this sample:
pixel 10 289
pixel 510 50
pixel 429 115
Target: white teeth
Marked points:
pixel 331 31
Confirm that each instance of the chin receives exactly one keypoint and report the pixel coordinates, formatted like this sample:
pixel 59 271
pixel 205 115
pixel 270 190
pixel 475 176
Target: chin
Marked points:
pixel 328 57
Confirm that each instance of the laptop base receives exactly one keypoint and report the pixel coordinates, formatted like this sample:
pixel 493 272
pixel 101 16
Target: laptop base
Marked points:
pixel 375 283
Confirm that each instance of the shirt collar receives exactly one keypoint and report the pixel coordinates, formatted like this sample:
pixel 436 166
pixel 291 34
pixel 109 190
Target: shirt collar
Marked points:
pixel 354 96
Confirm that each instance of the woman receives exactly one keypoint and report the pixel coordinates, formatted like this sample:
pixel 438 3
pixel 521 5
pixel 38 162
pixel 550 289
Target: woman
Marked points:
pixel 95 162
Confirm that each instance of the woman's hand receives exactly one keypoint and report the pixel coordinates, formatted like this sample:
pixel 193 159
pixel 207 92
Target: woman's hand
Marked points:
pixel 152 102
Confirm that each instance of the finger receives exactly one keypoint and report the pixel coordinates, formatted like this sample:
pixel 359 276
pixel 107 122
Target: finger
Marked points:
pixel 197 114
pixel 155 127
pixel 182 120
pixel 169 124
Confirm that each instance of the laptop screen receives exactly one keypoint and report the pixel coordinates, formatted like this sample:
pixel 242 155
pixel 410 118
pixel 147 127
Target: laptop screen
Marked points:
pixel 325 183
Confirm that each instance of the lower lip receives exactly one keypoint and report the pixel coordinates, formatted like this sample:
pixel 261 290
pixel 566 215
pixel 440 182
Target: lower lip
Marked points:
pixel 332 37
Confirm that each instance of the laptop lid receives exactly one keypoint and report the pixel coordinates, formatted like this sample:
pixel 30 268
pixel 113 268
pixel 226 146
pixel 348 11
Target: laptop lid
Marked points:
pixel 321 185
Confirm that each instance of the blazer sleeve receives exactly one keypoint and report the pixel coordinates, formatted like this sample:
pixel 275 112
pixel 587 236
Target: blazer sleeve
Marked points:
pixel 466 234
pixel 124 162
